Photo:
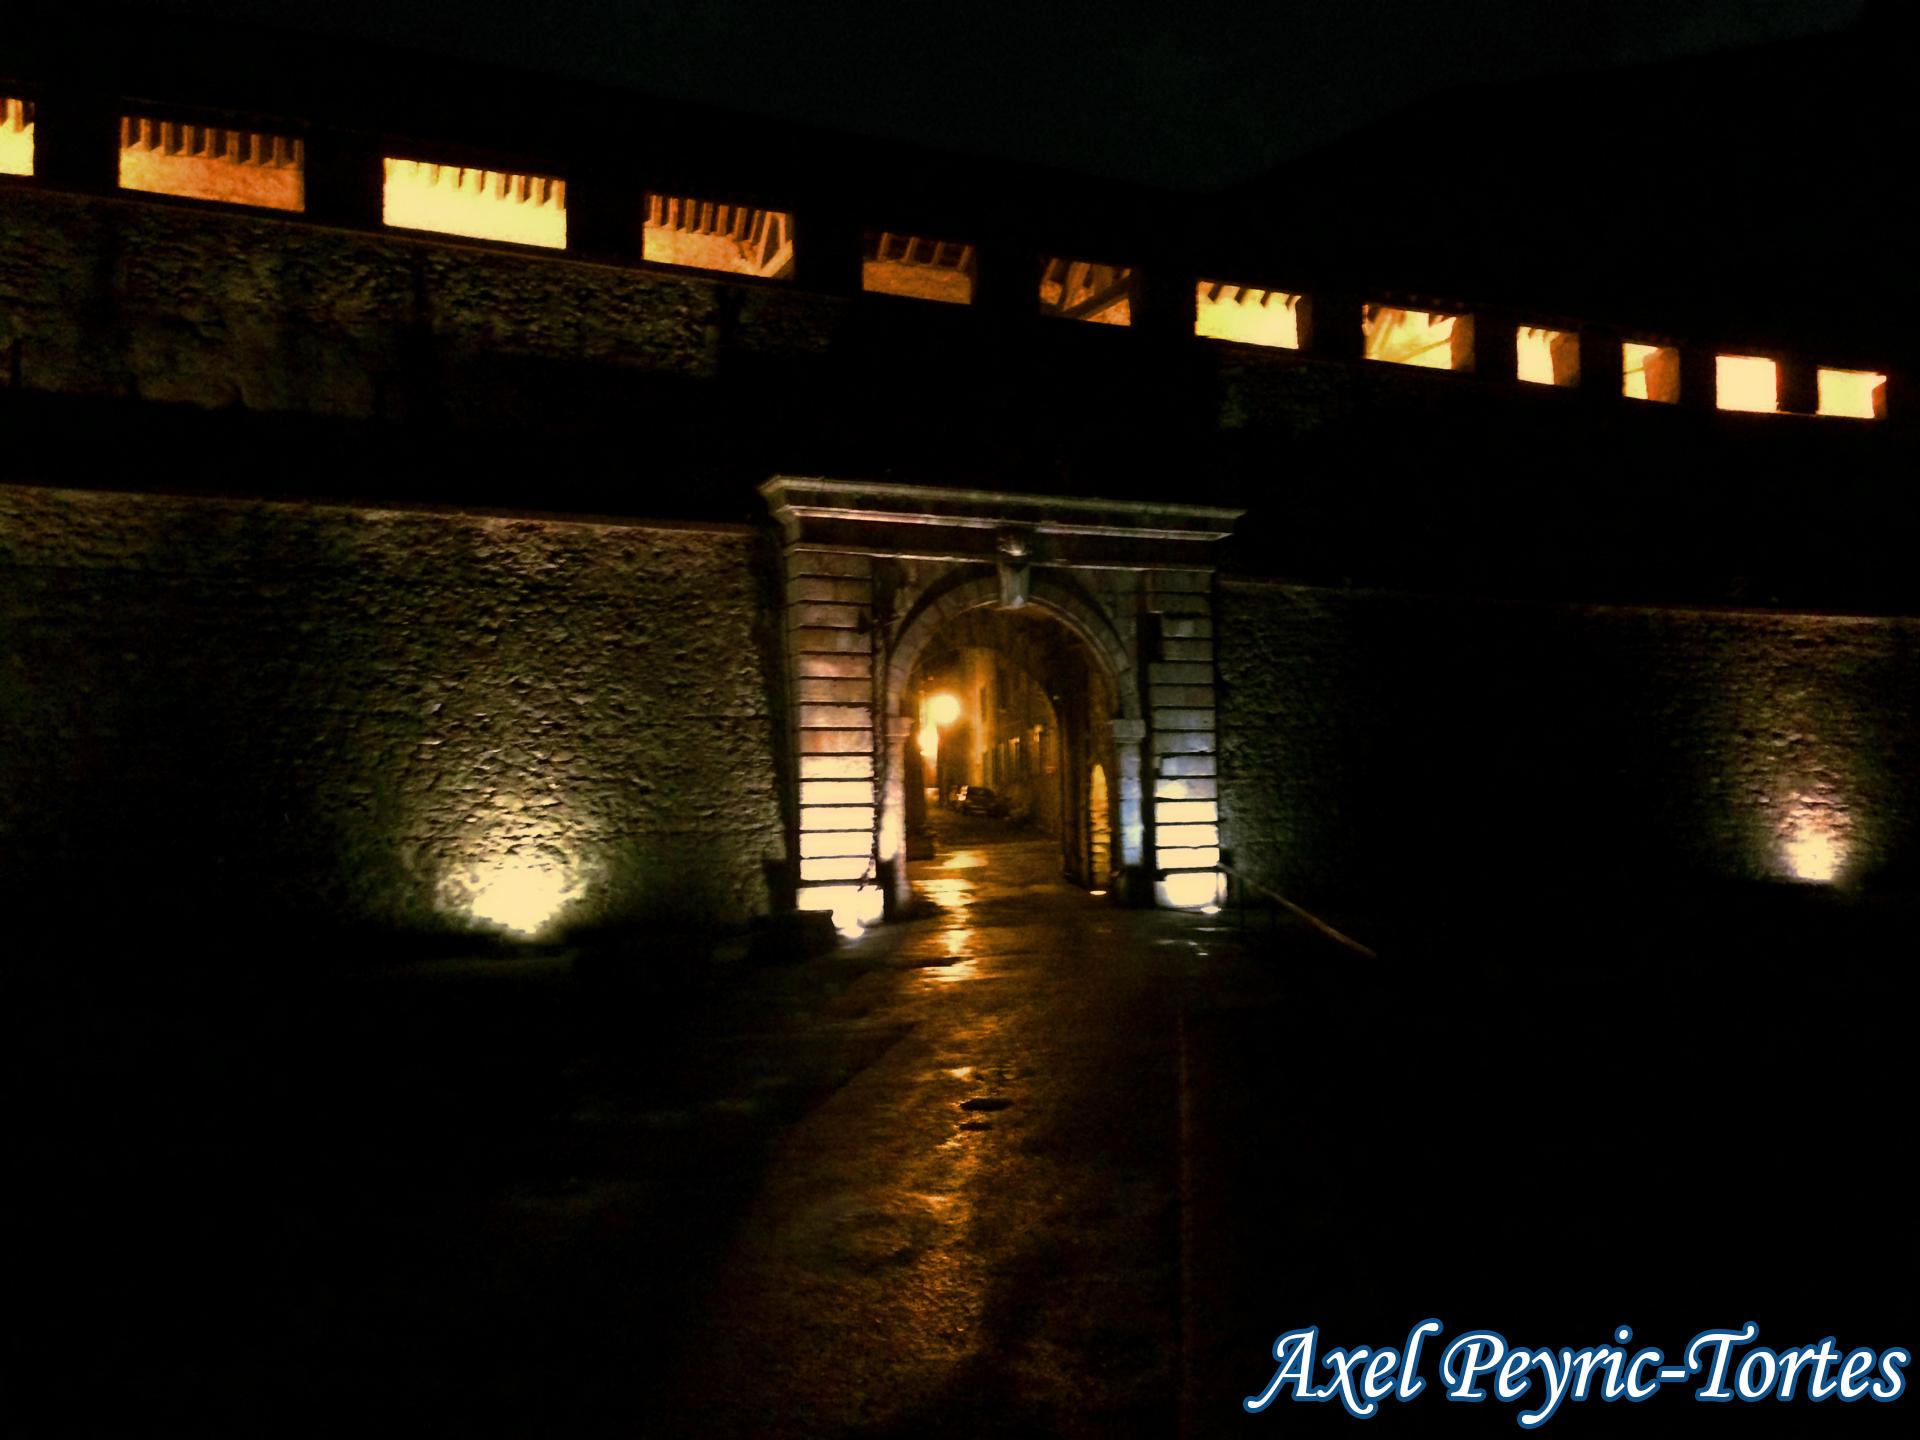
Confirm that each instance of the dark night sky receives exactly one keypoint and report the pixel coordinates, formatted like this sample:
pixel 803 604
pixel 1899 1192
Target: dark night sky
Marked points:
pixel 1191 94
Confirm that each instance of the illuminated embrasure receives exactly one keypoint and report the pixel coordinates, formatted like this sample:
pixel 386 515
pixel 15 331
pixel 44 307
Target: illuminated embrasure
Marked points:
pixel 1080 290
pixel 1547 357
pixel 211 162
pixel 917 267
pixel 709 235
pixel 1253 317
pixel 16 137
pixel 1650 372
pixel 481 204
pixel 1410 337
pixel 1859 394
pixel 1746 382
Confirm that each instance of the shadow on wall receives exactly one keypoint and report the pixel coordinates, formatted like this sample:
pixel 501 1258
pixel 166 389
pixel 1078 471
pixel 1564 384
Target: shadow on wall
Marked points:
pixel 1381 751
pixel 668 893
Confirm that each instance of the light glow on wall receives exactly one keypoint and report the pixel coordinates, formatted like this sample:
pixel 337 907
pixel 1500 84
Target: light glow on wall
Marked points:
pixel 519 894
pixel 1812 854
pixel 16 137
pixel 1408 337
pixel 710 235
pixel 207 162
pixel 1803 753
pixel 1858 394
pixel 1173 787
pixel 936 713
pixel 836 792
pixel 1650 372
pixel 834 844
pixel 1746 382
pixel 1250 316
pixel 1192 890
pixel 1186 839
pixel 1547 357
pixel 853 907
pixel 1189 857
pixel 481 204
pixel 837 839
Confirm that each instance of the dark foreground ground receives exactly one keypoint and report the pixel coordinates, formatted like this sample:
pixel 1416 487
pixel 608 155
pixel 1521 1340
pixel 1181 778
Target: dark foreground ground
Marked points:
pixel 1028 1164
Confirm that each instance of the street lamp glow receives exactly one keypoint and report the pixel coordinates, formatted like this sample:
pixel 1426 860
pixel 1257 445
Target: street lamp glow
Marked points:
pixel 943 709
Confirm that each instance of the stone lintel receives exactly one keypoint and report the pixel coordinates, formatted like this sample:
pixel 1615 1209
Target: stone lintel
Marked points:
pixel 821 515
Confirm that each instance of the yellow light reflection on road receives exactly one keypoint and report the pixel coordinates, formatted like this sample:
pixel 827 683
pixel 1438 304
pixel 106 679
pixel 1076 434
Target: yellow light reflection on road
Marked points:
pixel 954 974
pixel 948 894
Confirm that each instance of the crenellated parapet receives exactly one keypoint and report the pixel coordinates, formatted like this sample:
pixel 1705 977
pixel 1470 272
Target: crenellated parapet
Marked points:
pixel 642 212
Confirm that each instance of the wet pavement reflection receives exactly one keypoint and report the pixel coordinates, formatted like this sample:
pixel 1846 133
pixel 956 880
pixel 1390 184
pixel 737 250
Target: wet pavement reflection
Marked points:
pixel 1025 1164
pixel 977 1232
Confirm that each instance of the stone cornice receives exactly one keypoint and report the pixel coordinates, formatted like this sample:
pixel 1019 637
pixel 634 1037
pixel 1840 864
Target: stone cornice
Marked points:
pixel 945 523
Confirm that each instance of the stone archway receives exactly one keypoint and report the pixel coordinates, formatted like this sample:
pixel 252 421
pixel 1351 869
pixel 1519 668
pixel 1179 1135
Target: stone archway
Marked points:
pixel 1059 597
pixel 872 570
pixel 947 601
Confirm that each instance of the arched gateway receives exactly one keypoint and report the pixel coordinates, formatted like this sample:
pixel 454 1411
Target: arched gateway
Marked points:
pixel 874 572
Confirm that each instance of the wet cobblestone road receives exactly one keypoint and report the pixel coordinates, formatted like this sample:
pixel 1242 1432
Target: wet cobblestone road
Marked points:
pixel 1028 1164
pixel 979 1231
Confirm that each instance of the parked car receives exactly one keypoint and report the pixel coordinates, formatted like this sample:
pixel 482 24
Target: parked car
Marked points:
pixel 979 800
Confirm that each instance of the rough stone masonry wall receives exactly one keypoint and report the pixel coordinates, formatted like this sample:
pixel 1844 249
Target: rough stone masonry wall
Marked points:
pixel 126 298
pixel 1378 746
pixel 216 712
